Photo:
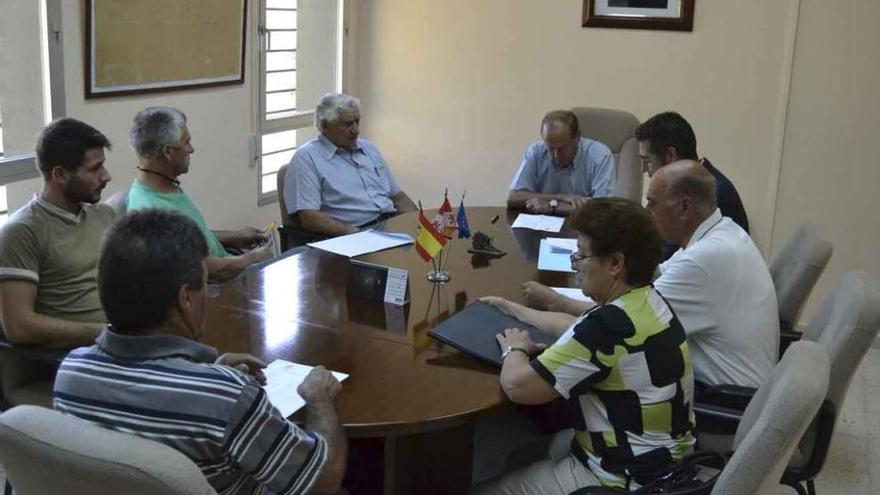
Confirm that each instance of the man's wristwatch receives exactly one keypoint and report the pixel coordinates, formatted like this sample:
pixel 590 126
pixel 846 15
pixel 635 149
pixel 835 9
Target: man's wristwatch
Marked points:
pixel 509 349
pixel 553 204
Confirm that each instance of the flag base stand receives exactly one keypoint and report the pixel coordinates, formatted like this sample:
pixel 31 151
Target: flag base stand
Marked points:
pixel 438 276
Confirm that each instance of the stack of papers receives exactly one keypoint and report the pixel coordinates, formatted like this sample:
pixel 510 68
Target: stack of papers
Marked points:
pixel 359 243
pixel 538 222
pixel 282 379
pixel 554 261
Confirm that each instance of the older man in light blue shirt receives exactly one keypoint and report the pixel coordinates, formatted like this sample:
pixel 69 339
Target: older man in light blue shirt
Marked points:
pixel 563 170
pixel 336 182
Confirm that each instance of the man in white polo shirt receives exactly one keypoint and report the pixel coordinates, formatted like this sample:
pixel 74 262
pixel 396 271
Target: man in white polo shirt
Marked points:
pixel 718 284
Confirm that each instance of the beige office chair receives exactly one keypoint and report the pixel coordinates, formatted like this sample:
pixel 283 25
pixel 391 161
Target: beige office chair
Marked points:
pixel 44 451
pixel 771 425
pixel 796 269
pixel 845 325
pixel 616 129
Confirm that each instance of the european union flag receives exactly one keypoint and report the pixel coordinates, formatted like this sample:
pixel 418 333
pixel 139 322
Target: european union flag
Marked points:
pixel 464 230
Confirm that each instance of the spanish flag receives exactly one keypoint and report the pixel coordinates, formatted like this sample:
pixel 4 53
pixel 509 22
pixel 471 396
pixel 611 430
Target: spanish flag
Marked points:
pixel 429 242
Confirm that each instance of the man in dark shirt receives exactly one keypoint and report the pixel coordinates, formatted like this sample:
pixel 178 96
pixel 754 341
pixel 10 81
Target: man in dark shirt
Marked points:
pixel 667 137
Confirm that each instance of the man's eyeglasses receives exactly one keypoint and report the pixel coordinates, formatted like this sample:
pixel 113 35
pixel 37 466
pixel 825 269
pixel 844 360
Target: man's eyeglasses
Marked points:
pixel 577 256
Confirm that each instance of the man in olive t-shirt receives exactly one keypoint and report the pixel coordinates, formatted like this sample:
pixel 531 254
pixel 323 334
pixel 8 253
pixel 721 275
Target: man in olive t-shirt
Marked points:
pixel 49 248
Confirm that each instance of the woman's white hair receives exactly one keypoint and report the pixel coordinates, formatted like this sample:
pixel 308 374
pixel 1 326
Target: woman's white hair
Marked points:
pixel 154 128
pixel 331 105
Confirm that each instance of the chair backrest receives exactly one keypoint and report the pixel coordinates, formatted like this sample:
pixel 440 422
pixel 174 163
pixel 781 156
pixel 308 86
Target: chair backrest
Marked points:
pixel 119 201
pixel 795 270
pixel 775 420
pixel 287 219
pixel 845 325
pixel 44 451
pixel 616 129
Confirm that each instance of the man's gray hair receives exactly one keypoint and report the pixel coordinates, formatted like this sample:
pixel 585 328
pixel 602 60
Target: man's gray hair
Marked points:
pixel 154 128
pixel 331 105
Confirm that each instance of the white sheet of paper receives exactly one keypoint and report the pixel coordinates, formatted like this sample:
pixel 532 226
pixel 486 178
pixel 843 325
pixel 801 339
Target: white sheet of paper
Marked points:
pixel 562 245
pixel 538 222
pixel 282 379
pixel 359 243
pixel 576 294
pixel 552 260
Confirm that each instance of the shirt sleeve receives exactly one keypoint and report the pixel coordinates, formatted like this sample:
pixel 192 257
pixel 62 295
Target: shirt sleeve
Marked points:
pixel 569 365
pixel 604 177
pixel 19 253
pixel 683 282
pixel 302 188
pixel 276 453
pixel 525 180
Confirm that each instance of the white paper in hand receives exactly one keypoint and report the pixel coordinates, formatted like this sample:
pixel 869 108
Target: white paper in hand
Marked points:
pixel 282 379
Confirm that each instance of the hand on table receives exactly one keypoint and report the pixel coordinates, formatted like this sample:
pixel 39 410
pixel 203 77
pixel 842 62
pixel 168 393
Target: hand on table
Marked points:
pixel 245 363
pixel 539 296
pixel 514 337
pixel 499 303
pixel 576 201
pixel 538 205
pixel 319 386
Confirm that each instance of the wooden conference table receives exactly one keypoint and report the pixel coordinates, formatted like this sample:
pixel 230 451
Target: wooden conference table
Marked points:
pixel 410 402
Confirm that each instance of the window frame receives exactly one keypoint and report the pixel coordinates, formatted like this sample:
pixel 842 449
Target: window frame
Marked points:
pixel 300 119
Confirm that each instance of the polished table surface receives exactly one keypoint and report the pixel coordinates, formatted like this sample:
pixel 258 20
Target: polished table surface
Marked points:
pixel 401 380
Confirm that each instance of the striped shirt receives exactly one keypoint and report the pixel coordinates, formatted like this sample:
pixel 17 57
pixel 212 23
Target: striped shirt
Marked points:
pixel 165 388
pixel 626 368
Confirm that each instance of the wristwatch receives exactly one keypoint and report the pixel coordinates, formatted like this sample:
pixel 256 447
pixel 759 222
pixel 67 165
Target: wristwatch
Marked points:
pixel 553 204
pixel 509 349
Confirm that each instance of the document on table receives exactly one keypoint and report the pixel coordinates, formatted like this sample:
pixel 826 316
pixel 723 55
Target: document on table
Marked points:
pixel 562 244
pixel 359 243
pixel 553 261
pixel 538 222
pixel 282 379
pixel 575 294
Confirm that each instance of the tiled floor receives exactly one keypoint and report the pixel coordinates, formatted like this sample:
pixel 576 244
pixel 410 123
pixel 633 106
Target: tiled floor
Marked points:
pixel 853 466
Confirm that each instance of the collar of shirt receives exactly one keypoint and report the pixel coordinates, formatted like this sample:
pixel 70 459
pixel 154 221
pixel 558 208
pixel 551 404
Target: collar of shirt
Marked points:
pixel 705 227
pixel 145 347
pixel 328 149
pixel 60 212
pixel 583 144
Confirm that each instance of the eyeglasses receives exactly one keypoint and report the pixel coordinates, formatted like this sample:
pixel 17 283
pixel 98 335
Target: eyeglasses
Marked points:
pixel 577 256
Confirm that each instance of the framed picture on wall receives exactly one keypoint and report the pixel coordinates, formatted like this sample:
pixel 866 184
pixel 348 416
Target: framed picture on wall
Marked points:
pixel 163 45
pixel 670 15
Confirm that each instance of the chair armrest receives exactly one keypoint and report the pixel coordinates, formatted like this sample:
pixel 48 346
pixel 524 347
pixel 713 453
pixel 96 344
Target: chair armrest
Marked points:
pixel 734 397
pixel 786 337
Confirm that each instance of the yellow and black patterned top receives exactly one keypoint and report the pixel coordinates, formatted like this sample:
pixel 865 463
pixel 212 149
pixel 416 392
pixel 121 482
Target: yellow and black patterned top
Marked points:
pixel 626 369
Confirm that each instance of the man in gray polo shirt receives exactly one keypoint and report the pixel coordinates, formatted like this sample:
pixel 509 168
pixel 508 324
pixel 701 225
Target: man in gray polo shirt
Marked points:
pixel 563 170
pixel 337 183
pixel 49 248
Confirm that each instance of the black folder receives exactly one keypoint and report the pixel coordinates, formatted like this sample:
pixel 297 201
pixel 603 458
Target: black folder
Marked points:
pixel 473 331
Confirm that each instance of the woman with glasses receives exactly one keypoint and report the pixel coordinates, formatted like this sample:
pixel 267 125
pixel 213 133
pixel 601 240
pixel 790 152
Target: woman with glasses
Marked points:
pixel 623 365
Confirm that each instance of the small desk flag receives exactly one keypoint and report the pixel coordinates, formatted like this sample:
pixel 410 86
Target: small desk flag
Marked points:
pixel 429 242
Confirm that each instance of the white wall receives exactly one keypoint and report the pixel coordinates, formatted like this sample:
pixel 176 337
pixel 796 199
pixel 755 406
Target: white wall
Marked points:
pixel 454 91
pixel 220 180
pixel 831 166
pixel 22 105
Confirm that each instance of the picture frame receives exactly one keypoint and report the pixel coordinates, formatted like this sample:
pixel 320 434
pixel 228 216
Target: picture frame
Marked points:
pixel 665 15
pixel 163 45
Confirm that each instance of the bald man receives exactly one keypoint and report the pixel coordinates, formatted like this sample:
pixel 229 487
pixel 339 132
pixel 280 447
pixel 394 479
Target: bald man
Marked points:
pixel 563 170
pixel 718 283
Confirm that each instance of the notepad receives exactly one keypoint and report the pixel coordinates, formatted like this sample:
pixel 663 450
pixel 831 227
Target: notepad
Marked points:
pixel 360 243
pixel 282 379
pixel 553 261
pixel 546 223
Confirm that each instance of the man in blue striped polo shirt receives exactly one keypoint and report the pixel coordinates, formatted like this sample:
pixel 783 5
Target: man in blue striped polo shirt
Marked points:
pixel 148 376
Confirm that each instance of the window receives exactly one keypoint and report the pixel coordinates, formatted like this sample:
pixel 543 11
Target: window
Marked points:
pixel 300 60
